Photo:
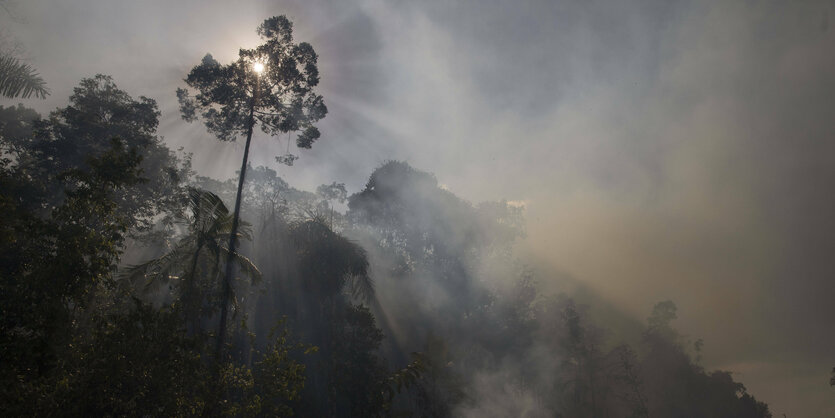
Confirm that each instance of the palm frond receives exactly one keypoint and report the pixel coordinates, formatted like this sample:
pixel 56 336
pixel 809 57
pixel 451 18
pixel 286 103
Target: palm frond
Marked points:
pixel 362 287
pixel 212 217
pixel 248 268
pixel 18 79
pixel 206 204
pixel 406 377
pixel 155 272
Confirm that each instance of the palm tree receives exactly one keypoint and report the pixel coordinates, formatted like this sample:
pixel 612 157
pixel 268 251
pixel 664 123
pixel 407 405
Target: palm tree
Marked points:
pixel 200 251
pixel 18 79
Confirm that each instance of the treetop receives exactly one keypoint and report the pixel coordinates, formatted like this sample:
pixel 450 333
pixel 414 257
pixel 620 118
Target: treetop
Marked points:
pixel 280 98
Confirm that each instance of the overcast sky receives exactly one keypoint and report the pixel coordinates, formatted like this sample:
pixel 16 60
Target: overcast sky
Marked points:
pixel 678 150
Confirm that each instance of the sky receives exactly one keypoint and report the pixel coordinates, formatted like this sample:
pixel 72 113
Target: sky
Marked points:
pixel 679 150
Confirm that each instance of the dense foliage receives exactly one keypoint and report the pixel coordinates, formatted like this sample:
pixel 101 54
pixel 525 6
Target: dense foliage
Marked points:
pixel 271 86
pixel 410 303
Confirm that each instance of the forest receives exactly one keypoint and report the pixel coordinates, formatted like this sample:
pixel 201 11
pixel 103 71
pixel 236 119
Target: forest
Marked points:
pixel 131 285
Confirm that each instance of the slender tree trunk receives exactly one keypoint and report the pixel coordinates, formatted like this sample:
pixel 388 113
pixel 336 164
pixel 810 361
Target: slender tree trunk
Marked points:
pixel 212 406
pixel 227 280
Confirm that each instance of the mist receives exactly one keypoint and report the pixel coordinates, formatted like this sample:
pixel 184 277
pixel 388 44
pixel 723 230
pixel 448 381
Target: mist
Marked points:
pixel 606 156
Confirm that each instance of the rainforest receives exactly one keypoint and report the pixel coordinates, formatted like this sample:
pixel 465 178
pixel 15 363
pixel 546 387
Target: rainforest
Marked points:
pixel 376 209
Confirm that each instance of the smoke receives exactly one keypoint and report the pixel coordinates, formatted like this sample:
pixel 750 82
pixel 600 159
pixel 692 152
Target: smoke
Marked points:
pixel 664 150
pixel 499 397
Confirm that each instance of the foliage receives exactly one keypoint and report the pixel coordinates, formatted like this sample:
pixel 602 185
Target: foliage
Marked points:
pixel 406 377
pixel 137 362
pixel 333 192
pixel 52 268
pixel 675 385
pixel 441 386
pixel 431 246
pixel 98 112
pixel 16 124
pixel 74 342
pixel 233 98
pixel 285 99
pixel 327 272
pixel 72 190
pixel 278 377
pixel 356 371
pixel 194 261
pixel 330 262
pixel 422 224
pixel 19 79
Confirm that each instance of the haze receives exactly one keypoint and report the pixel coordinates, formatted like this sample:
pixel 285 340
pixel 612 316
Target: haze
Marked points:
pixel 677 150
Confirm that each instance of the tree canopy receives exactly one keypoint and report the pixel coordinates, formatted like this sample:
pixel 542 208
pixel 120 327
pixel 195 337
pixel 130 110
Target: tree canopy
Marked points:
pixel 282 94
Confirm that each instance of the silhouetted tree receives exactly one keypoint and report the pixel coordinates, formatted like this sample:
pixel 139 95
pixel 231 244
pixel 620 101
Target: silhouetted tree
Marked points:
pixel 271 85
pixel 676 386
pixel 98 112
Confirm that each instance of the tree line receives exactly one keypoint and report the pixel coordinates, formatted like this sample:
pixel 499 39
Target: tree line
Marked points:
pixel 132 286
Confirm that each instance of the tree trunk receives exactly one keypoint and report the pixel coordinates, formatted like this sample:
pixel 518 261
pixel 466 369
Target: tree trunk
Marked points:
pixel 227 280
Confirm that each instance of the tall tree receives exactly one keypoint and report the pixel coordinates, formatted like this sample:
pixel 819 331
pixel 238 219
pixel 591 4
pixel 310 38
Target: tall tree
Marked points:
pixel 270 85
